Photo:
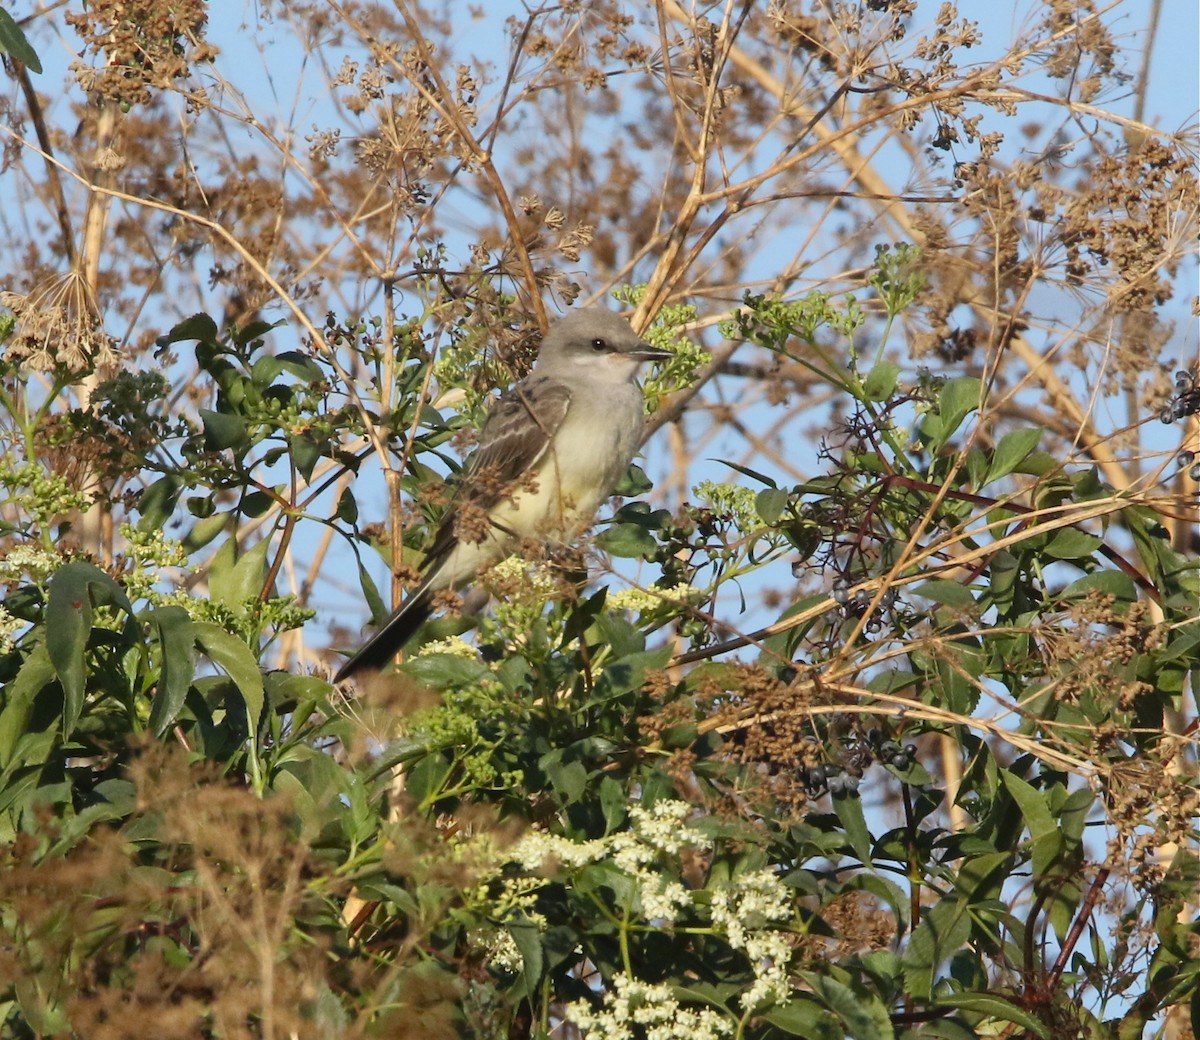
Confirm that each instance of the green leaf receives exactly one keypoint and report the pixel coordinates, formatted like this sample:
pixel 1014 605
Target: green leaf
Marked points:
pixel 199 327
pixel 617 634
pixel 201 506
pixel 13 41
pixel 298 364
pixel 863 1016
pixel 770 504
pixel 628 541
pixel 1072 544
pixel 445 671
pixel 35 675
pixel 233 579
pixel 802 1016
pixel 629 672
pixel 204 532
pixel 528 939
pixel 347 507
pixel 995 1007
pixel 1114 583
pixel 75 589
pixel 237 661
pixel 177 640
pixel 68 627
pixel 307 452
pixel 612 804
pixel 942 933
pixel 959 397
pixel 1033 805
pixel 960 661
pixel 1039 464
pixel 569 779
pixel 222 430
pixel 255 330
pixel 746 471
pixel 631 534
pixel 256 504
pixel 850 811
pixel 880 383
pixel 158 501
pixel 1013 449
pixel 634 483
pixel 982 876
pixel 951 593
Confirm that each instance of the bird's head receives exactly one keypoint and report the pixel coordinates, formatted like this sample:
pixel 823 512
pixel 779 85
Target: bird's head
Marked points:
pixel 596 343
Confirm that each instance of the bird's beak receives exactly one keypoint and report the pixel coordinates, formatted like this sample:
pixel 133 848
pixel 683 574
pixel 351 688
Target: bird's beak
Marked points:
pixel 645 352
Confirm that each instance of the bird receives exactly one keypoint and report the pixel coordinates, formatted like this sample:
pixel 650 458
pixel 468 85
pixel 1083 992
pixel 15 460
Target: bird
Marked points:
pixel 551 449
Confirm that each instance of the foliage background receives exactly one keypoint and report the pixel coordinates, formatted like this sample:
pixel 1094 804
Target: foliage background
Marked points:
pixel 883 725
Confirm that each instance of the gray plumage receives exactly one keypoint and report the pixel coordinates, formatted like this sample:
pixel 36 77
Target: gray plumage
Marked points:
pixel 551 450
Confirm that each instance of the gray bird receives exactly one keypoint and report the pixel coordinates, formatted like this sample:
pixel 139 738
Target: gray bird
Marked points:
pixel 551 450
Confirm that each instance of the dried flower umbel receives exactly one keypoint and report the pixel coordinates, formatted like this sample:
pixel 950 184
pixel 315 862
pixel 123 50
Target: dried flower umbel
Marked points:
pixel 58 327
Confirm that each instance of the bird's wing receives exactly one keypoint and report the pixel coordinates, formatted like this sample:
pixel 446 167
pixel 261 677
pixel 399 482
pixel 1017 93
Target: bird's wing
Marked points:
pixel 514 438
pixel 513 441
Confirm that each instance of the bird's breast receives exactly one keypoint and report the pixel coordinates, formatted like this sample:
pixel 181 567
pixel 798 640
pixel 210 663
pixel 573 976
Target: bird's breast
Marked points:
pixel 588 455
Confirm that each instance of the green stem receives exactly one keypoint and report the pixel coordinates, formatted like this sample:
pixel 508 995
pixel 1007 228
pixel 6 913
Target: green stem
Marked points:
pixel 623 930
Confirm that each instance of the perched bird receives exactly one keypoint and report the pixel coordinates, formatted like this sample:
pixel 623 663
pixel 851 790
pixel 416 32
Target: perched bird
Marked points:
pixel 551 450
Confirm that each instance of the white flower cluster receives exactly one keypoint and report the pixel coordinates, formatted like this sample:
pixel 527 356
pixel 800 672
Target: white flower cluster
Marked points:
pixel 23 560
pixel 646 601
pixel 19 564
pixel 733 500
pixel 631 1003
pixel 153 548
pixel 9 627
pixel 151 553
pixel 535 849
pixel 743 908
pixel 455 646
pixel 501 947
pixel 746 910
pixel 535 582
pixel 657 831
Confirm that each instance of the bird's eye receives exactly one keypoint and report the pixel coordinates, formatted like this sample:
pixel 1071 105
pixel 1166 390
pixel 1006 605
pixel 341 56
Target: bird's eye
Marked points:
pixel 598 345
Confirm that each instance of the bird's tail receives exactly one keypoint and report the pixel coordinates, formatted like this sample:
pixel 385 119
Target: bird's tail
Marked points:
pixel 397 630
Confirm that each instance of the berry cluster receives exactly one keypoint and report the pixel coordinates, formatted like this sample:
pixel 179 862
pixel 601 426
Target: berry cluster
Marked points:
pixel 844 777
pixel 830 777
pixel 856 605
pixel 1186 400
pixel 1188 459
